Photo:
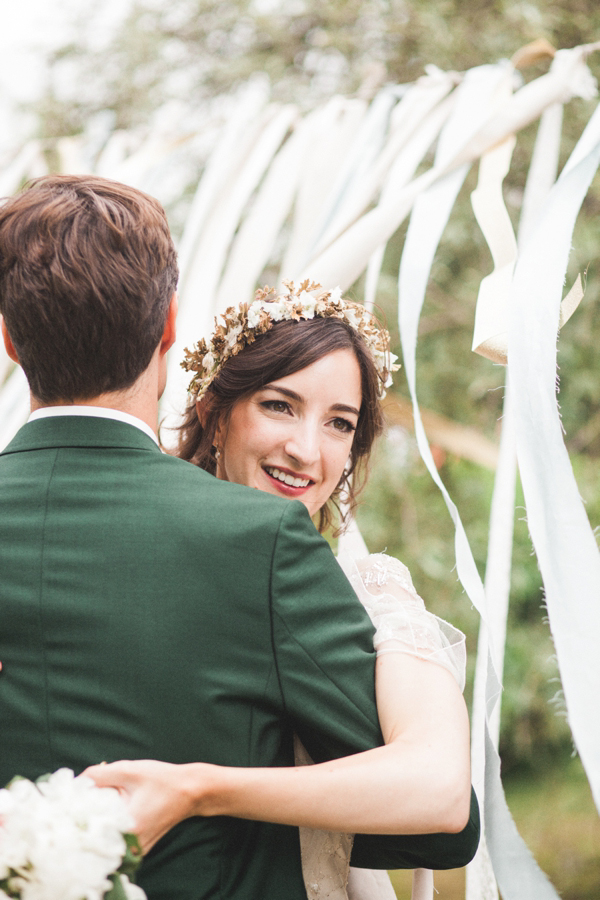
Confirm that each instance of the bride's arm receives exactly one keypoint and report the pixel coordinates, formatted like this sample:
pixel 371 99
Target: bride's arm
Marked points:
pixel 418 783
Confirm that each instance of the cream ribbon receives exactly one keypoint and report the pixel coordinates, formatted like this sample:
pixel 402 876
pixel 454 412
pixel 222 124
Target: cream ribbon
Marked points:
pixel 490 335
pixel 562 535
pixel 512 861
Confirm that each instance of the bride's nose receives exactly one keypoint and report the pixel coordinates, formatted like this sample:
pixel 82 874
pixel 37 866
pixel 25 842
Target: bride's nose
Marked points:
pixel 302 444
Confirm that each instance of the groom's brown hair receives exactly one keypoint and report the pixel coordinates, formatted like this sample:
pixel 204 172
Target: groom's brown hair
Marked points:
pixel 87 272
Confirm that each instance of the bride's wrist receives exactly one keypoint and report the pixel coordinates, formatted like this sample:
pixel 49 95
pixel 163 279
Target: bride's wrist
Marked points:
pixel 206 790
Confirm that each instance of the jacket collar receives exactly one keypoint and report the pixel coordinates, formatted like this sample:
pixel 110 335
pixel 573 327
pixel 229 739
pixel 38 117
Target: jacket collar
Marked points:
pixel 79 431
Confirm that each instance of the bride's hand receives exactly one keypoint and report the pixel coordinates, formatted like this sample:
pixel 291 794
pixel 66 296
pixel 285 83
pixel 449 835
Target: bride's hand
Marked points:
pixel 158 794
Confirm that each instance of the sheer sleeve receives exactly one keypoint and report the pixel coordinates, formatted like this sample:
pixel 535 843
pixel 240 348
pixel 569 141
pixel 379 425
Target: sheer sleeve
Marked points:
pixel 402 623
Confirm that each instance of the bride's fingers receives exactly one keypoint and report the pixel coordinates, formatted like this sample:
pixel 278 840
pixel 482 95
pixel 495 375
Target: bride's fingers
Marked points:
pixel 125 776
pixel 118 776
pixel 151 791
pixel 106 775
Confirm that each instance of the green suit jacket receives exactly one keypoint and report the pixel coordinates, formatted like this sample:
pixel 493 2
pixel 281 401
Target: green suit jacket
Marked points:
pixel 148 610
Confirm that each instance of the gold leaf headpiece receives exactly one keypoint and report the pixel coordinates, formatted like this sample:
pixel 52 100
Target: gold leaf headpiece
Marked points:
pixel 241 326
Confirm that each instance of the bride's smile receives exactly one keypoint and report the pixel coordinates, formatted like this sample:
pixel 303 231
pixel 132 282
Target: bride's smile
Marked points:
pixel 293 437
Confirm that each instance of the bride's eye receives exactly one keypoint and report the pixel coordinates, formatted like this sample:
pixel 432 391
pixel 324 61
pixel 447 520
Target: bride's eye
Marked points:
pixel 343 425
pixel 278 406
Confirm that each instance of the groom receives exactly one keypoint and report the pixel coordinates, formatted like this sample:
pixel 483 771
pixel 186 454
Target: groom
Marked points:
pixel 147 609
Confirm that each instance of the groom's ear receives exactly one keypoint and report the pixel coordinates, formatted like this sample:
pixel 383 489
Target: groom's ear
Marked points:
pixel 170 329
pixel 10 347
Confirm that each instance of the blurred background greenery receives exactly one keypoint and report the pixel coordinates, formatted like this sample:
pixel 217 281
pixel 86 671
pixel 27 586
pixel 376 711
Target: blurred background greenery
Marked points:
pixel 163 54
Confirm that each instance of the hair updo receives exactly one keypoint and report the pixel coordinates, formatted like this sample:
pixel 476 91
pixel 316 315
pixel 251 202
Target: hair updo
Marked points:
pixel 288 347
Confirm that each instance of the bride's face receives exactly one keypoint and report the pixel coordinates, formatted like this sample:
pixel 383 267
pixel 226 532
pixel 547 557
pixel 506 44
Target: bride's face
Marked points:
pixel 293 437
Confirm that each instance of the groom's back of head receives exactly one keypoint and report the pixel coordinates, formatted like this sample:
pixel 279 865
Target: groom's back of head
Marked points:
pixel 87 272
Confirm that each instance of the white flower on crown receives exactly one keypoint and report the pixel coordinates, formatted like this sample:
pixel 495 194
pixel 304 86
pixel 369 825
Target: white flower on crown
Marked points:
pixel 307 303
pixel 353 317
pixel 233 335
pixel 208 361
pixel 278 310
pixel 254 314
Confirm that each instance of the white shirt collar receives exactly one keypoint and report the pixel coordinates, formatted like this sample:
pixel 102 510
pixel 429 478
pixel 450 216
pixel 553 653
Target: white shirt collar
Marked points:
pixel 98 412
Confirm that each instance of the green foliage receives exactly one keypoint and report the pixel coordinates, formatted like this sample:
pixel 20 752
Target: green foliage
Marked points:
pixel 133 856
pixel 308 49
pixel 128 868
pixel 555 813
pixel 117 891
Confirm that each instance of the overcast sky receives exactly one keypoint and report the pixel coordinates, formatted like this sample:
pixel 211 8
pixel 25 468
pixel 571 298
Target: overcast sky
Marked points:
pixel 27 28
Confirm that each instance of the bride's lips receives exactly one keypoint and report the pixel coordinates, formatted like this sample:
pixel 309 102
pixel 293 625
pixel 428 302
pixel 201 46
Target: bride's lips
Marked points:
pixel 290 490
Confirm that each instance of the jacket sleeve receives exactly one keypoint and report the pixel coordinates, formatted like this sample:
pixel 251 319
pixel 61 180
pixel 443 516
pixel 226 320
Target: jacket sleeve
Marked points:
pixel 323 647
pixel 413 851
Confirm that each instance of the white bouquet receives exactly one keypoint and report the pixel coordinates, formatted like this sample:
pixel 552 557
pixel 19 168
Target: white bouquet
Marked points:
pixel 63 838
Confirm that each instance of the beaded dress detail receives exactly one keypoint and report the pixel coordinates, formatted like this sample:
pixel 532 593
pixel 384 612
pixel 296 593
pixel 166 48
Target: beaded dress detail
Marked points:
pixel 402 623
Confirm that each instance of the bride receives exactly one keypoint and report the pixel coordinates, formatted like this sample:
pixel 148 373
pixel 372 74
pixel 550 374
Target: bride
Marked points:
pixel 286 398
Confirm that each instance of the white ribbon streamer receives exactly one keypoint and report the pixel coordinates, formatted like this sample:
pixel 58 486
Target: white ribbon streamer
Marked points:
pixel 334 128
pixel 429 217
pixel 562 536
pixel 206 252
pixel 253 245
pixel 481 882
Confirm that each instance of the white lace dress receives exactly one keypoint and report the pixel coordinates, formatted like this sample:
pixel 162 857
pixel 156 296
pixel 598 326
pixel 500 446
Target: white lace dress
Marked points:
pixel 403 625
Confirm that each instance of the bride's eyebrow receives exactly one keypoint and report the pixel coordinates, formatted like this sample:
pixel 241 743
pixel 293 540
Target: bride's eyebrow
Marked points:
pixel 285 391
pixel 341 407
pixel 336 407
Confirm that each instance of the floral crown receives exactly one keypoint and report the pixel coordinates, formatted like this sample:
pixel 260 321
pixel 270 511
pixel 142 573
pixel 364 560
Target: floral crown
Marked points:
pixel 241 326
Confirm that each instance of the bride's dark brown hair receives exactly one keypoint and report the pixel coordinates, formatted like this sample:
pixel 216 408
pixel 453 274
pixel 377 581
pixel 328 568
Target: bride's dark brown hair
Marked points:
pixel 288 347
